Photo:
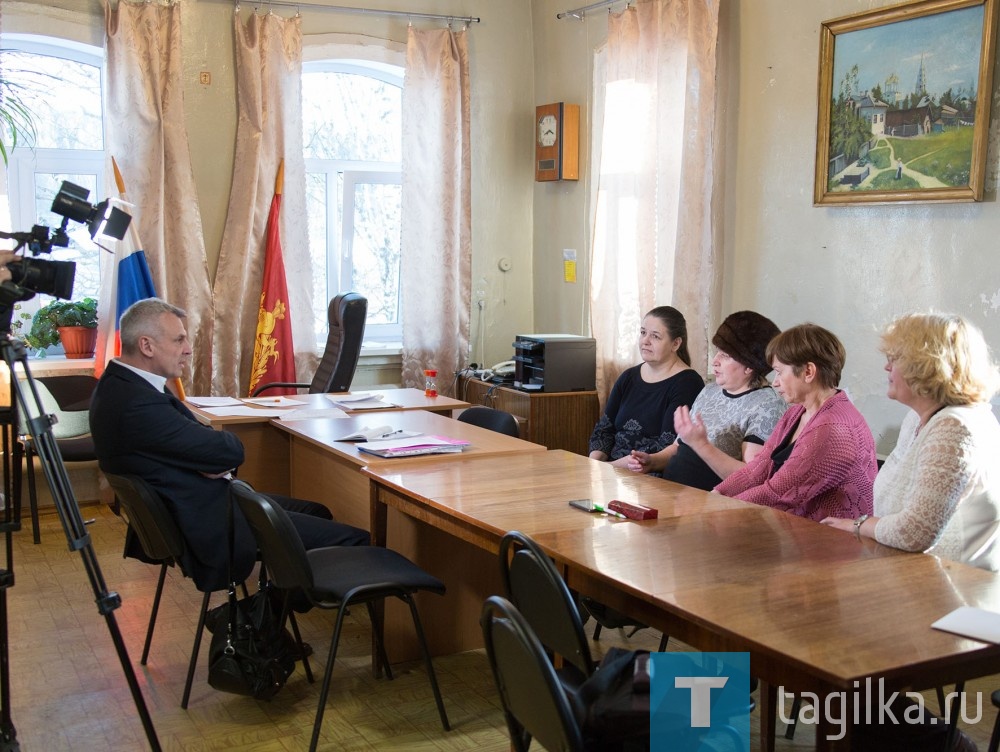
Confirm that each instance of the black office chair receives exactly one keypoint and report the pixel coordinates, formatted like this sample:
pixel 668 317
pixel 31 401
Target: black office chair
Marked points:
pixel 995 736
pixel 161 541
pixel 68 398
pixel 535 703
pixel 494 420
pixel 346 316
pixel 334 578
pixel 533 584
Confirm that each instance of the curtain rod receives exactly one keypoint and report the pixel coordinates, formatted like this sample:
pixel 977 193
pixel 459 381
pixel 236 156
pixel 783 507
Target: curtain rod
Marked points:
pixel 361 11
pixel 579 13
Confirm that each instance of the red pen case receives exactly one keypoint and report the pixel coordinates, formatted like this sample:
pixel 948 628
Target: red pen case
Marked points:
pixel 633 511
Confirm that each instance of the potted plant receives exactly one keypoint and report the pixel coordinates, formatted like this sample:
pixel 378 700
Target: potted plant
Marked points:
pixel 72 322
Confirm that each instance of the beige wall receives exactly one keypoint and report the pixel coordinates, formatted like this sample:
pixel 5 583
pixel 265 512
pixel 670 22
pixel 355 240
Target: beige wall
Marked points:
pixel 502 109
pixel 850 269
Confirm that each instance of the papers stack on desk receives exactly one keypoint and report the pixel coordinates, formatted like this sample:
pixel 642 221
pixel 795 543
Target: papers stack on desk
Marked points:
pixel 411 447
pixel 360 401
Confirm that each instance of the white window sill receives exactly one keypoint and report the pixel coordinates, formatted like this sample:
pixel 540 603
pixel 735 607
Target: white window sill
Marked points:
pixel 381 348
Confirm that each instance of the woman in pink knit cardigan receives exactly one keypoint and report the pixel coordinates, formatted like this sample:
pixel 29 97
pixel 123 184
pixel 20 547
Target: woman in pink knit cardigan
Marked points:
pixel 820 460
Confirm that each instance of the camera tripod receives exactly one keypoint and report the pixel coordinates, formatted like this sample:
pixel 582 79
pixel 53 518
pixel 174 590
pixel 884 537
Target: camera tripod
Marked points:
pixel 25 401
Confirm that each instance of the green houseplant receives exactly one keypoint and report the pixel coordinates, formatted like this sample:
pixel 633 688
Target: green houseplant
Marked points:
pixel 66 321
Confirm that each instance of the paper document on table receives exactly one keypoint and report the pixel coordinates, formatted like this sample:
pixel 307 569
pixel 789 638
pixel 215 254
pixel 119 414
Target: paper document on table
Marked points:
pixel 273 401
pixel 382 434
pixel 968 621
pixel 308 413
pixel 213 401
pixel 359 401
pixel 412 447
pixel 247 411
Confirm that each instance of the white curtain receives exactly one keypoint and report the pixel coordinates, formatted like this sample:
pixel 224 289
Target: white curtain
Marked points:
pixel 269 128
pixel 654 229
pixel 147 136
pixel 436 235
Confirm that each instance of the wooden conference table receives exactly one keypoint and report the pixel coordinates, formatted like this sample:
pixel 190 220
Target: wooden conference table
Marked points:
pixel 816 609
pixel 330 471
pixel 266 462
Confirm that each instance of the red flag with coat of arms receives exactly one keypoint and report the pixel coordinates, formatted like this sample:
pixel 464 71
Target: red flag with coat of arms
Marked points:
pixel 273 352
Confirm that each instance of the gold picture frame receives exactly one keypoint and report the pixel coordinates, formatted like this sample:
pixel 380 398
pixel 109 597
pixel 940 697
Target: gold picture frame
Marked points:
pixel 880 142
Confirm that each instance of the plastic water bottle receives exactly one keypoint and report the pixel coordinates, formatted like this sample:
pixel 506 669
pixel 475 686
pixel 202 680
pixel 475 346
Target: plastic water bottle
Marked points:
pixel 430 383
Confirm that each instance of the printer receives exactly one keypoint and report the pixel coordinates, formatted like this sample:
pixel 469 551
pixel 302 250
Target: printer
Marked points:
pixel 555 363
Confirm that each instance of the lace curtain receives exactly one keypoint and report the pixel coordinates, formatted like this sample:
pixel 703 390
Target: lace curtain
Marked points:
pixel 654 229
pixel 269 128
pixel 146 135
pixel 436 236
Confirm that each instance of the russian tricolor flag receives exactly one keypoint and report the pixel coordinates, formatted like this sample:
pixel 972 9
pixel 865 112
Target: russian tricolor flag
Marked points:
pixel 123 282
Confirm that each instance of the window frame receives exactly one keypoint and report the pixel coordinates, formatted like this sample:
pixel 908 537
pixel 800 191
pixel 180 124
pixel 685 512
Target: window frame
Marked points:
pixel 25 162
pixel 352 172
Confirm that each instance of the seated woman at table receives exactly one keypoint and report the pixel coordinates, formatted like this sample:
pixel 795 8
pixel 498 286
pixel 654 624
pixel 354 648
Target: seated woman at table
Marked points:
pixel 820 460
pixel 939 490
pixel 640 410
pixel 731 418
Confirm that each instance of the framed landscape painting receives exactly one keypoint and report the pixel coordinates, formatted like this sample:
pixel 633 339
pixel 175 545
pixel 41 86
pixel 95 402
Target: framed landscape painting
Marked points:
pixel 904 103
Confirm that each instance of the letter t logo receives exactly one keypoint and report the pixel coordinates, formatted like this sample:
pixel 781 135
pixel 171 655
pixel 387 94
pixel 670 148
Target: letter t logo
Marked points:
pixel 701 696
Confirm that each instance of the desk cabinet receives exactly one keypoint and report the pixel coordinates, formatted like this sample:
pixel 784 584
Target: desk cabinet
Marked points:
pixel 558 420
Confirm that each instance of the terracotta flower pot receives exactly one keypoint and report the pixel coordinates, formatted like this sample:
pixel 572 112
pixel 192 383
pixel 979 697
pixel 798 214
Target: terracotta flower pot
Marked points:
pixel 78 341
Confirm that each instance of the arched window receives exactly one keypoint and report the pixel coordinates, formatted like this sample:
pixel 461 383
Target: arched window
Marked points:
pixel 352 136
pixel 60 82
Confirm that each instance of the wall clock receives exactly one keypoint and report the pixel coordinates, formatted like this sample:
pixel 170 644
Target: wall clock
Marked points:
pixel 557 142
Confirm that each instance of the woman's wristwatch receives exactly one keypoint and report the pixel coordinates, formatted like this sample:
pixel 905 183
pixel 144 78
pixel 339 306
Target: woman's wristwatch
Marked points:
pixel 858 523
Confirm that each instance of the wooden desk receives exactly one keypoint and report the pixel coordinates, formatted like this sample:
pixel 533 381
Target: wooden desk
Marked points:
pixel 266 466
pixel 559 420
pixel 327 470
pixel 330 471
pixel 816 609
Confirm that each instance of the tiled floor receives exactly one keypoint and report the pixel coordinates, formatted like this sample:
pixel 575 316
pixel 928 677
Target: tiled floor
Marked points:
pixel 68 689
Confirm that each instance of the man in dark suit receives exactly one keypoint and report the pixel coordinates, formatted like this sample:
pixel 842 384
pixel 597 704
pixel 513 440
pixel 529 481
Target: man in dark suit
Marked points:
pixel 140 428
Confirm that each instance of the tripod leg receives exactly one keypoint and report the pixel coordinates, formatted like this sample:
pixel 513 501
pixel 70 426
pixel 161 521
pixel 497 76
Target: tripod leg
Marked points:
pixel 44 444
pixel 32 494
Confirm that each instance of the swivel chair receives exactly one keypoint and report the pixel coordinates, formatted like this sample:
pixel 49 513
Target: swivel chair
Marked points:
pixel 346 316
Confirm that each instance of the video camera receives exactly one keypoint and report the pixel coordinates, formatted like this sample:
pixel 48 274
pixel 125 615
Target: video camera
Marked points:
pixel 34 275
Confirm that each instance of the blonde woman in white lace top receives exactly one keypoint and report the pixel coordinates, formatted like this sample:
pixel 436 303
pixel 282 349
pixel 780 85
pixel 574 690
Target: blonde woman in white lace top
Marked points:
pixel 939 490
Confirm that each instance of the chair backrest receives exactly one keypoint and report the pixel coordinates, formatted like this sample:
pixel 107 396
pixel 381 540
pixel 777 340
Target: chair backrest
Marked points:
pixel 149 517
pixel 346 316
pixel 494 420
pixel 533 698
pixel 532 583
pixel 277 539
pixel 69 402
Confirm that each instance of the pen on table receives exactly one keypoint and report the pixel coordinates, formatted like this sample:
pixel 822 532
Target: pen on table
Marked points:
pixel 619 515
pixel 391 433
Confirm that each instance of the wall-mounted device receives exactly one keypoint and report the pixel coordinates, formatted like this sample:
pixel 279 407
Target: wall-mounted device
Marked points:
pixel 557 142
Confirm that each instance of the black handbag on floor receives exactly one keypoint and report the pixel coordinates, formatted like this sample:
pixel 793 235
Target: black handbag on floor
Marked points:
pixel 250 654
